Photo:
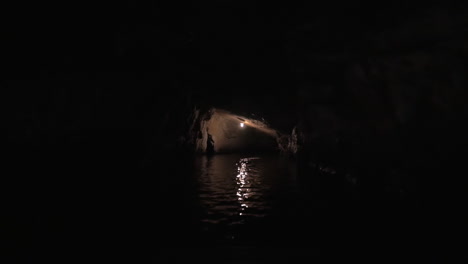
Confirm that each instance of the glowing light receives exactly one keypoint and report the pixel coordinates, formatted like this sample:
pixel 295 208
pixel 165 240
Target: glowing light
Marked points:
pixel 243 192
pixel 242 124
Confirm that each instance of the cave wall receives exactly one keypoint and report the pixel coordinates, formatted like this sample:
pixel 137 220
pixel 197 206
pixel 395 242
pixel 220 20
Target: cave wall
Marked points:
pixel 404 93
pixel 391 110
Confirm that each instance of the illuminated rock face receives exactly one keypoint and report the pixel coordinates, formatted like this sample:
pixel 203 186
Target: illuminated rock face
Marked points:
pixel 224 131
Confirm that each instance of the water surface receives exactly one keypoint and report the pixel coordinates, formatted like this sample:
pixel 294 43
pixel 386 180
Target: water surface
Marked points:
pixel 246 198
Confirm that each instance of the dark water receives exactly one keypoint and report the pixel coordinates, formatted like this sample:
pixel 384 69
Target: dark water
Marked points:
pixel 266 208
pixel 254 201
pixel 245 208
pixel 240 195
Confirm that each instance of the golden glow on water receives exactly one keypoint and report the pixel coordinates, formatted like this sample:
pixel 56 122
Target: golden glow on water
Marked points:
pixel 234 190
pixel 243 192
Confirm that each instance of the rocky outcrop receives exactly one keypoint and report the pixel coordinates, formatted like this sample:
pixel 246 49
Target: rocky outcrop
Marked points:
pixel 289 143
pixel 197 136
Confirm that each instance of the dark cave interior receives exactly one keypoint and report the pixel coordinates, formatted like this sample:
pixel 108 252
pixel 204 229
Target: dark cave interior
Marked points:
pixel 104 116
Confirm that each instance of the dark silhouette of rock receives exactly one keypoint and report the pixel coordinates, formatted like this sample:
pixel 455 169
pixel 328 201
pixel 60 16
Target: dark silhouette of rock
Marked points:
pixel 210 145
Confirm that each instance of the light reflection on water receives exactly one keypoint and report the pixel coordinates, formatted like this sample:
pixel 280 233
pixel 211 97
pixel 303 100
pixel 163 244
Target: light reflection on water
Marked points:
pixel 246 183
pixel 236 190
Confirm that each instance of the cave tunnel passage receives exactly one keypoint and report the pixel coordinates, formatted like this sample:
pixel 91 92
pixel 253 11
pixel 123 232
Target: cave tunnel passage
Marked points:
pixel 225 132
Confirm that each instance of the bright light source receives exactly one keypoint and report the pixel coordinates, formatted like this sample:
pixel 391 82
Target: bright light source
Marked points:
pixel 242 124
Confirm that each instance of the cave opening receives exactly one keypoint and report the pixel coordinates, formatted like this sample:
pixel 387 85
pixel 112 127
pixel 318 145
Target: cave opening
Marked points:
pixel 220 132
